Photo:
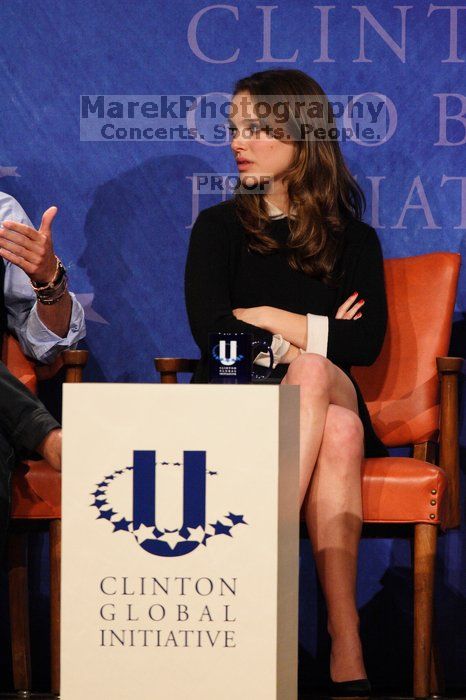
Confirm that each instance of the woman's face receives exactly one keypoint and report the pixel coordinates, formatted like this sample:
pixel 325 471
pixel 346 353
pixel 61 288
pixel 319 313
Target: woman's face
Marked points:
pixel 264 154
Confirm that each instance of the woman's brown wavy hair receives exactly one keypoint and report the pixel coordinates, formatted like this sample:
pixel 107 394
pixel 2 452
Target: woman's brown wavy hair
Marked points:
pixel 320 186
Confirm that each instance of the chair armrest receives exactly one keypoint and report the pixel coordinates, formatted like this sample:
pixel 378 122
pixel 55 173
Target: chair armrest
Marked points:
pixel 73 361
pixel 170 366
pixel 449 369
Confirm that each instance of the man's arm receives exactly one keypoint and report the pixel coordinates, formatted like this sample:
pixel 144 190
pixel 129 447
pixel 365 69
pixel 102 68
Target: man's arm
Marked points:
pixel 57 317
pixel 42 330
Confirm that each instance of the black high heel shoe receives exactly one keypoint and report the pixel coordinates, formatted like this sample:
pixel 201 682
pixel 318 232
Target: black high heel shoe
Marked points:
pixel 360 688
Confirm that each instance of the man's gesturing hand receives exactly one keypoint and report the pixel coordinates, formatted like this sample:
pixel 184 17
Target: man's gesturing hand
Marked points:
pixel 31 250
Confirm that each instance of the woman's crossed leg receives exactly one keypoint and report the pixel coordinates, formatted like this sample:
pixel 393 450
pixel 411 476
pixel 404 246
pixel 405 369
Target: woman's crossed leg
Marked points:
pixel 331 452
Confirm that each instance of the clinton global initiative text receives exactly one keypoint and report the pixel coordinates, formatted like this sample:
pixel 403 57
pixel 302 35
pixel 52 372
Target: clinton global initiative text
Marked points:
pixel 167 638
pixel 167 585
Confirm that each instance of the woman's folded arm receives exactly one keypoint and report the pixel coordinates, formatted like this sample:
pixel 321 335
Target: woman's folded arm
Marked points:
pixel 355 341
pixel 359 341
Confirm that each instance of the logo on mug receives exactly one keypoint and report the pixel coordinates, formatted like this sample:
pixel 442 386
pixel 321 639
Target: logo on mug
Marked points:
pixel 231 358
pixel 138 485
pixel 227 352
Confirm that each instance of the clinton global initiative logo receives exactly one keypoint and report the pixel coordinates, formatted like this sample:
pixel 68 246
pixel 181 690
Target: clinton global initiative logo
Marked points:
pixel 227 353
pixel 130 499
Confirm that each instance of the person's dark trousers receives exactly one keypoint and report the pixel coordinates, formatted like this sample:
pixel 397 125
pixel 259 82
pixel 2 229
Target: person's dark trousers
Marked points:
pixel 7 461
pixel 24 423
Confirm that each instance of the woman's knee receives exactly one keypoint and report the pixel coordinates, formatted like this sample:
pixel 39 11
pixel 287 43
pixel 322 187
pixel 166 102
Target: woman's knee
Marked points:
pixel 311 370
pixel 343 430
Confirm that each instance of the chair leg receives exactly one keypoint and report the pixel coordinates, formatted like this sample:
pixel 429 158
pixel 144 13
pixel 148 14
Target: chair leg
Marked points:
pixel 425 544
pixel 55 577
pixel 17 554
pixel 437 681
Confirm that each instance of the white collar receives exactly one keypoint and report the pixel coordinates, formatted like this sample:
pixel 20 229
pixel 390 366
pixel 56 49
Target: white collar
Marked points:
pixel 275 212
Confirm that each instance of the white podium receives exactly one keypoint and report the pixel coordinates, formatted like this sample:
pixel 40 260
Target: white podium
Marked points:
pixel 180 542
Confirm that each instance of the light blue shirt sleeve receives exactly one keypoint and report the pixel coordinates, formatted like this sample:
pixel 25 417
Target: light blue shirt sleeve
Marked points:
pixel 36 340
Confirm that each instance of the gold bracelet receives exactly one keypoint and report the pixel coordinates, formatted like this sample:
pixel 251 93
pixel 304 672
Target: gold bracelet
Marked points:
pixel 52 296
pixel 49 302
pixel 59 271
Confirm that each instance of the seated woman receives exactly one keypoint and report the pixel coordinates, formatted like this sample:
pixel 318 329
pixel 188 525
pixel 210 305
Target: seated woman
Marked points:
pixel 298 268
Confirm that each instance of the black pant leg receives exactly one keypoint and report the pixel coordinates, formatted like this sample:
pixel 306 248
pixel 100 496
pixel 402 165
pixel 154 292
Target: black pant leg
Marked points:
pixel 7 460
pixel 24 420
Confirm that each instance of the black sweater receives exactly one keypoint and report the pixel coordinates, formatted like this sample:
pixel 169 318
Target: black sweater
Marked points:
pixel 222 275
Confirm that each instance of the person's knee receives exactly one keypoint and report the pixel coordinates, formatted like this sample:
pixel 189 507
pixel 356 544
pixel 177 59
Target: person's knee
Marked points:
pixel 311 371
pixel 344 431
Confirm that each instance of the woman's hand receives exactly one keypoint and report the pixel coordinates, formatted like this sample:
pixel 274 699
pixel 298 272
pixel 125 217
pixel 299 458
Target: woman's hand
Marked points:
pixel 349 309
pixel 292 354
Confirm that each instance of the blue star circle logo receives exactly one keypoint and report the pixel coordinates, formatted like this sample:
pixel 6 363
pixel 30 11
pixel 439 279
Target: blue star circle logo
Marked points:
pixel 195 530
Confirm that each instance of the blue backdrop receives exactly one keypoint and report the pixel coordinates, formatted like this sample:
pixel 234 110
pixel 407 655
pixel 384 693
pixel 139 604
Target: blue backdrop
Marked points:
pixel 126 208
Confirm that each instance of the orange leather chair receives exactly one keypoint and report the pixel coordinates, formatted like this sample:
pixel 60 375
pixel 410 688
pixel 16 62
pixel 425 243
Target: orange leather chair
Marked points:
pixel 36 496
pixel 402 393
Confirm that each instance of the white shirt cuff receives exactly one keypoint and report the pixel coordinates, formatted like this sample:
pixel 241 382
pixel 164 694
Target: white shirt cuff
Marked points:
pixel 279 346
pixel 317 334
pixel 43 344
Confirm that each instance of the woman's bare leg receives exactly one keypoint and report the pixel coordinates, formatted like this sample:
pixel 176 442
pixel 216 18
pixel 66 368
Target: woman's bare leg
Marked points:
pixel 331 449
pixel 321 383
pixel 333 512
